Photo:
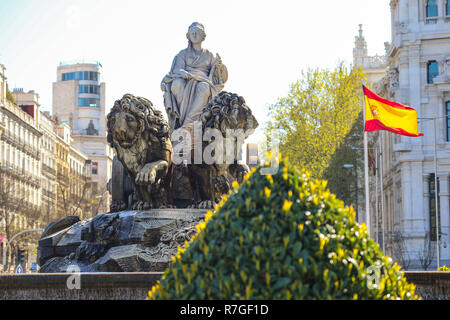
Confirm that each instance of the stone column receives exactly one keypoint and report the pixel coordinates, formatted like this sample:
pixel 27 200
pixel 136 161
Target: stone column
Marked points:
pixel 403 13
pixel 444 211
pixel 441 10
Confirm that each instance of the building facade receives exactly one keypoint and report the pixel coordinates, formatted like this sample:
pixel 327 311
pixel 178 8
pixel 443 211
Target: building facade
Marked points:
pixel 20 170
pixel 417 73
pixel 48 167
pixel 43 176
pixel 79 101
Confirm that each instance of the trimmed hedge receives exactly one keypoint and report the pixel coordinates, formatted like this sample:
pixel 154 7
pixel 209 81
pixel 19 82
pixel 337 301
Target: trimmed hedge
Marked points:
pixel 282 237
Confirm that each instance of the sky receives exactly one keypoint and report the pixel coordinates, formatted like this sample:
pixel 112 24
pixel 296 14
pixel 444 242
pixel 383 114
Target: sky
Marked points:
pixel 264 44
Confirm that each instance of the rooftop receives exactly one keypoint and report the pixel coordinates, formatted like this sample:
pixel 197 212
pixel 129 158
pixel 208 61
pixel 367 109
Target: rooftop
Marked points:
pixel 83 61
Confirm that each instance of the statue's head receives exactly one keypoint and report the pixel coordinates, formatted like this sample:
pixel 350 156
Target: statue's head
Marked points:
pixel 196 33
pixel 130 117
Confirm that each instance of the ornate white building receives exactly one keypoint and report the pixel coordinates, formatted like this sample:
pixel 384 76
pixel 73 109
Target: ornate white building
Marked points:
pixel 416 73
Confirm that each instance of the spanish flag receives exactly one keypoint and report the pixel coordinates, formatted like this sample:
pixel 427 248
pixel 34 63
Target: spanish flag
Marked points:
pixel 382 114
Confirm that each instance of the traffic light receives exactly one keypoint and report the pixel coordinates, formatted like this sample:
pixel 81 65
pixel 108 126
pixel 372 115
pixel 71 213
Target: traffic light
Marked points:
pixel 20 256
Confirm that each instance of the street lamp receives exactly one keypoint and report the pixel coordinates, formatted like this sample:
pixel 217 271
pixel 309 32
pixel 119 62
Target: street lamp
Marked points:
pixel 356 187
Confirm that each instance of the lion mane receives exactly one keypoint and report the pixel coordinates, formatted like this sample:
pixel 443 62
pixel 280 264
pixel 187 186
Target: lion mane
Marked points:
pixel 148 118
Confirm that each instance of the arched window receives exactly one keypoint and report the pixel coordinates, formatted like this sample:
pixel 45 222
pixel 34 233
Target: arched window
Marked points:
pixel 431 9
pixel 432 71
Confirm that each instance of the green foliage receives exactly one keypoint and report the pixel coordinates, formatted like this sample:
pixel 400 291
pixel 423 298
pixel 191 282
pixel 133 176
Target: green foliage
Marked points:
pixel 281 237
pixel 9 96
pixel 443 268
pixel 316 116
pixel 342 181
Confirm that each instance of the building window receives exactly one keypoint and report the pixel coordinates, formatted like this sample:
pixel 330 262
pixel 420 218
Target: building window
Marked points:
pixel 447 8
pixel 433 207
pixel 432 10
pixel 88 102
pixel 81 75
pixel 432 71
pixel 89 89
pixel 94 167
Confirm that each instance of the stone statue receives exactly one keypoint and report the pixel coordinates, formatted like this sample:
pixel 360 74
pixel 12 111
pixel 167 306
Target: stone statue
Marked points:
pixel 227 113
pixel 195 77
pixel 387 86
pixel 91 131
pixel 140 136
pixel 444 70
pixel 144 176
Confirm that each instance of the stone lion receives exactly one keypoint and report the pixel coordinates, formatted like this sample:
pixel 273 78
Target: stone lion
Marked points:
pixel 140 136
pixel 227 113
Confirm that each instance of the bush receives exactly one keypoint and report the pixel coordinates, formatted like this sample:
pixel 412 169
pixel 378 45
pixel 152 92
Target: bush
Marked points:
pixel 282 237
pixel 9 96
pixel 443 268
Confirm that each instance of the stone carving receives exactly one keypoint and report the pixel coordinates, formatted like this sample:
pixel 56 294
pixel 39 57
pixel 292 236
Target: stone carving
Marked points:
pixel 140 136
pixel 192 94
pixel 123 241
pixel 60 225
pixel 120 187
pixel 444 74
pixel 195 77
pixel 145 240
pixel 388 84
pixel 228 113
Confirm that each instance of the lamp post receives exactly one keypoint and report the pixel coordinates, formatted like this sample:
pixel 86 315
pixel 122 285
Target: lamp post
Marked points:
pixel 356 188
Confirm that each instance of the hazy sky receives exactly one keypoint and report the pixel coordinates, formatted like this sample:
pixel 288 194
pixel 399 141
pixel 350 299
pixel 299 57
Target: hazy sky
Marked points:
pixel 264 44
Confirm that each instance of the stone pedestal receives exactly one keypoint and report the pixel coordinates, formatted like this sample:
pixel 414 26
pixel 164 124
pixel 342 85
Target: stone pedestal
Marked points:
pixel 126 241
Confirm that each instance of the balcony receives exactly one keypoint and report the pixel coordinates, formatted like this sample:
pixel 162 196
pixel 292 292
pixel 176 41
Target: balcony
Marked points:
pixel 48 170
pixel 19 113
pixel 21 174
pixel 20 144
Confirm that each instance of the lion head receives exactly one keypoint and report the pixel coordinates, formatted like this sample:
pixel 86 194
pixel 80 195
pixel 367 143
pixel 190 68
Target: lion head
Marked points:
pixel 130 118
pixel 229 111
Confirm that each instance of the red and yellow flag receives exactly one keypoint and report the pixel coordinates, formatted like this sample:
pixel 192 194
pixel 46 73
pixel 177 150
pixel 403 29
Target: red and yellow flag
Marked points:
pixel 382 114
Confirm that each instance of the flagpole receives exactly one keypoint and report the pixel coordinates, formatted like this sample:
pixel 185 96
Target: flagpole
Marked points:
pixel 366 169
pixel 377 222
pixel 383 222
pixel 436 204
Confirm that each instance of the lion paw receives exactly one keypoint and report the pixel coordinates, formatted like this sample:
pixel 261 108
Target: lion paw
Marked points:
pixel 207 204
pixel 147 175
pixel 142 205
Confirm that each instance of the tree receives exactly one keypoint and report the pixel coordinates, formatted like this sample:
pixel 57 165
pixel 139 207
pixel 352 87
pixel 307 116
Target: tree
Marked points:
pixel 426 255
pixel 75 203
pixel 99 203
pixel 12 202
pixel 342 181
pixel 9 96
pixel 400 252
pixel 316 116
pixel 281 237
